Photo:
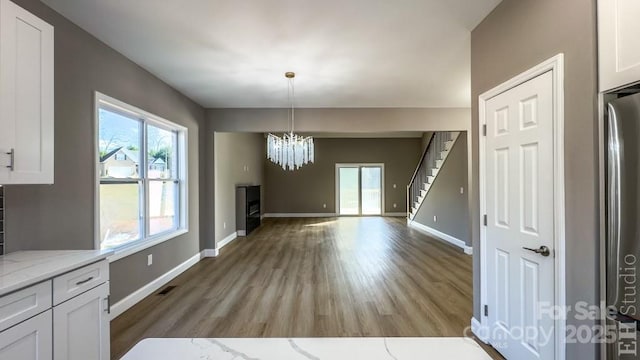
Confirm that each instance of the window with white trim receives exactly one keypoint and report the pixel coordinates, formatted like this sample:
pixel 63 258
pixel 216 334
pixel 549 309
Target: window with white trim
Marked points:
pixel 141 176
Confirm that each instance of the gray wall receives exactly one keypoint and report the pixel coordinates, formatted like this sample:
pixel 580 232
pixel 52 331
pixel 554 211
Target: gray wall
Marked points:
pixel 61 216
pixel 239 160
pixel 426 137
pixel 358 120
pixel 516 36
pixel 307 189
pixel 207 194
pixel 444 199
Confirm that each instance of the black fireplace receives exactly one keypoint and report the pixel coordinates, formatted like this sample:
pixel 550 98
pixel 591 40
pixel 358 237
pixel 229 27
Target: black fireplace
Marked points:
pixel 247 208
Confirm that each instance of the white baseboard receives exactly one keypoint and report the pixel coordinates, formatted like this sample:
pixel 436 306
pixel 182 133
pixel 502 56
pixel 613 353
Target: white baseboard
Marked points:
pixel 215 252
pixel 442 236
pixel 395 214
pixel 299 215
pixel 209 253
pixel 479 331
pixel 126 303
pixel 226 241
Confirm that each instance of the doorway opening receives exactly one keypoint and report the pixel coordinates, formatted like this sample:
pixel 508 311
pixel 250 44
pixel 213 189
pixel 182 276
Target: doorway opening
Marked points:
pixel 359 189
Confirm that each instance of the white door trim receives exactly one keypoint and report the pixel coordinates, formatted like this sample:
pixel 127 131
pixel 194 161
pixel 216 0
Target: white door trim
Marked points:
pixel 556 66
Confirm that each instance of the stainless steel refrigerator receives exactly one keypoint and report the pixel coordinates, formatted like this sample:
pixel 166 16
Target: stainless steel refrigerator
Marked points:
pixel 623 226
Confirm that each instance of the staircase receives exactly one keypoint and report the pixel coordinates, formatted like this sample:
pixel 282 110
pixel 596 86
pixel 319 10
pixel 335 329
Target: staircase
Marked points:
pixel 430 164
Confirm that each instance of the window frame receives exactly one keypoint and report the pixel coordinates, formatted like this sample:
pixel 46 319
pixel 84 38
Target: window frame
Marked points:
pixel 180 177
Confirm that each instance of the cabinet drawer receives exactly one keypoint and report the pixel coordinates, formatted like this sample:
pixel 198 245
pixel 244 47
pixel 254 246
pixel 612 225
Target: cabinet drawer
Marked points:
pixel 78 281
pixel 24 304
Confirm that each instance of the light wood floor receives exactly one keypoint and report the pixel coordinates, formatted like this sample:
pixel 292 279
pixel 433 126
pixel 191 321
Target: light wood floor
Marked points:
pixel 328 277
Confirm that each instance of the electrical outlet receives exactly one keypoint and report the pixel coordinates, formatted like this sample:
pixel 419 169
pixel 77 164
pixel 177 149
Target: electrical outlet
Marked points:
pixel 324 206
pixel 394 186
pixel 224 225
pixel 395 205
pixel 461 190
pixel 435 218
pixel 149 259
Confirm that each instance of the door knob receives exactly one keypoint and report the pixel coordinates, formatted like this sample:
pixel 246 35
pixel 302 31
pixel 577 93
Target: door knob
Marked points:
pixel 543 250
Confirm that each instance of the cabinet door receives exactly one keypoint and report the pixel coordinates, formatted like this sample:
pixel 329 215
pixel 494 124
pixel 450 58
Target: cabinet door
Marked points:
pixel 26 97
pixel 81 326
pixel 29 340
pixel 619 53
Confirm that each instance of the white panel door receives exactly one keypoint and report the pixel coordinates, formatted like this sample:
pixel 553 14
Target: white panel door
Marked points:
pixel 519 206
pixel 618 46
pixel 26 97
pixel 29 340
pixel 81 326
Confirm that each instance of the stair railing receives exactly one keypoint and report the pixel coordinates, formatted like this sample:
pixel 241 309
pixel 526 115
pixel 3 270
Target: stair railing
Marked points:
pixel 418 176
pixel 430 156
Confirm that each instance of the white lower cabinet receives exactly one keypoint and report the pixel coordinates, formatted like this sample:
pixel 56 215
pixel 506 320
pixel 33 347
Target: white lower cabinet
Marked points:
pixel 29 340
pixel 65 317
pixel 81 326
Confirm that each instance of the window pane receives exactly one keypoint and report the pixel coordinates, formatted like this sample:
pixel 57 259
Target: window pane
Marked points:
pixel 119 214
pixel 371 191
pixel 162 206
pixel 119 145
pixel 349 194
pixel 161 145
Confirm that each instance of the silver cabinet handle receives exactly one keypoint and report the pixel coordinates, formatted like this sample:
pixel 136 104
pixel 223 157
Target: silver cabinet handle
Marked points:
pixel 12 161
pixel 85 280
pixel 542 250
pixel 107 301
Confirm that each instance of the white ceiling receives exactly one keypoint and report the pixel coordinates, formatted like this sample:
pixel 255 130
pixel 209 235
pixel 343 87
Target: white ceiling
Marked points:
pixel 347 53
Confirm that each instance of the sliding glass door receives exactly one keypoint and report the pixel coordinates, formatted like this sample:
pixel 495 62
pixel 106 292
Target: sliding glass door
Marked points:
pixel 349 188
pixel 371 190
pixel 359 189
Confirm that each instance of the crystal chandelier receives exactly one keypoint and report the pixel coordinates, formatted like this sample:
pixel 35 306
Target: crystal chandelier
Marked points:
pixel 290 151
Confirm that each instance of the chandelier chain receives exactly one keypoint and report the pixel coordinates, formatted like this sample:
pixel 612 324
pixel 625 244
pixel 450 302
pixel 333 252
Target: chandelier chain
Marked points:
pixel 292 99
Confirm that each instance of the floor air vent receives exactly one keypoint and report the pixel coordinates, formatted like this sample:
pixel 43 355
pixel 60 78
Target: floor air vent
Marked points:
pixel 166 290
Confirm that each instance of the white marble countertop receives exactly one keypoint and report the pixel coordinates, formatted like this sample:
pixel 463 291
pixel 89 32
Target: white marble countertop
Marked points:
pixel 24 268
pixel 308 348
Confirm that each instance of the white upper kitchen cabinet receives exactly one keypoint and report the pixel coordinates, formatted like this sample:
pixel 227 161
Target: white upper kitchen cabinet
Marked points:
pixel 619 43
pixel 26 97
